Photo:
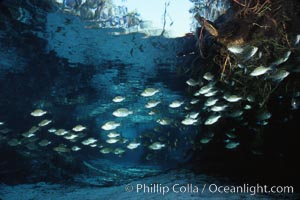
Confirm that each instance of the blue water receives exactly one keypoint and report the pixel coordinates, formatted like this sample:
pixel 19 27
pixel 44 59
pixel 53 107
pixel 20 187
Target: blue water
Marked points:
pixel 56 57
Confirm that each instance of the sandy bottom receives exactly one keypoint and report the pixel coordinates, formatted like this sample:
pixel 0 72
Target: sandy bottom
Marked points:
pixel 172 185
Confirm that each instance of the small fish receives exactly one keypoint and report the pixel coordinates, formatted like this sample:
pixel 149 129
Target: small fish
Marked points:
pixel 259 71
pixel 78 128
pixel 149 92
pixel 28 134
pixel 93 145
pixel 111 125
pixel 122 112
pixel 60 132
pixel 75 148
pixel 45 122
pixel 279 75
pixel 113 134
pixel 61 149
pixel 38 113
pixel 119 151
pixel 211 93
pixel 106 150
pixel 194 101
pixel 14 142
pixel 152 103
pixel 89 141
pixel 218 108
pixel 231 135
pixel 118 99
pixel 205 89
pixel 212 119
pixel 235 113
pixel 241 66
pixel 51 130
pixel 247 107
pixel 192 82
pixel 156 146
pixel 263 123
pixel 249 52
pixel 189 121
pixel 232 145
pixel 250 98
pixel 112 140
pixel 176 104
pixel 70 136
pixel 283 59
pixel 152 112
pixel 263 115
pixel 208 76
pixel 33 129
pixel 44 143
pixel 192 115
pixel 188 107
pixel 205 140
pixel 235 49
pixel 211 101
pixel 164 121
pixel 232 98
pixel 2 123
pixel 133 145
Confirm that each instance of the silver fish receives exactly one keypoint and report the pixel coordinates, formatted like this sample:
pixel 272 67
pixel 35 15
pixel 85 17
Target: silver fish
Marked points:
pixel 236 113
pixel 194 101
pixel 189 121
pixel 211 93
pixel 192 82
pixel 235 49
pixel 148 92
pixel 122 112
pixel 211 101
pixel 232 145
pixel 212 119
pixel 205 140
pixel 249 52
pixel 232 98
pixel 279 75
pixel 156 146
pixel 218 108
pixel 263 115
pixel 192 115
pixel 111 125
pixel 208 76
pixel 260 71
pixel 283 59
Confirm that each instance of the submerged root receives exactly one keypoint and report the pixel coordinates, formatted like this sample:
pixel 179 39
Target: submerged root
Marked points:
pixel 255 7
